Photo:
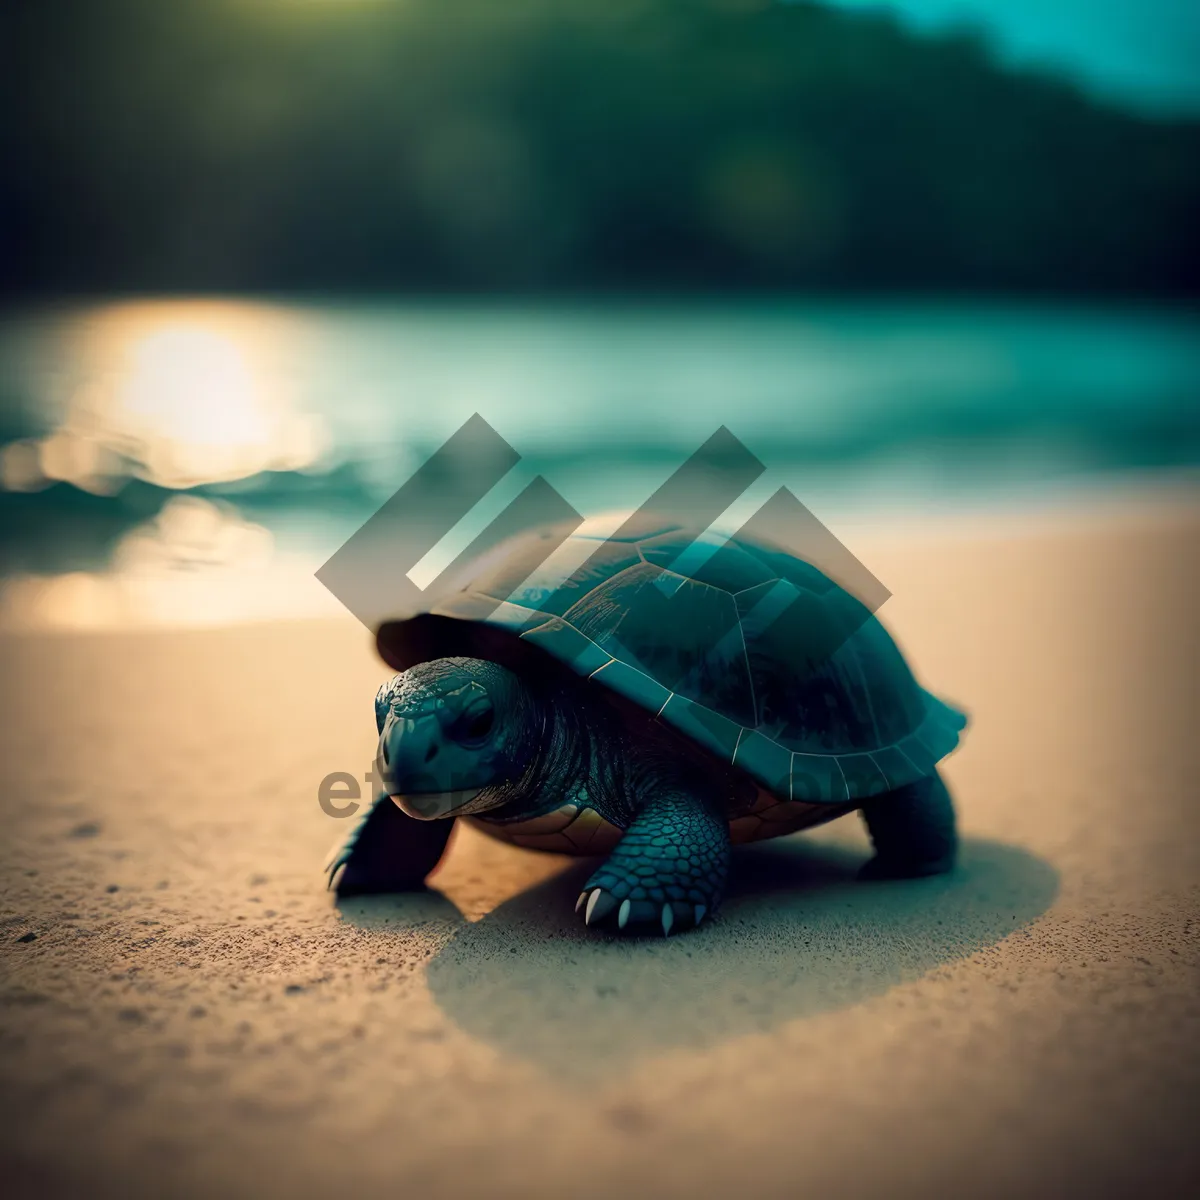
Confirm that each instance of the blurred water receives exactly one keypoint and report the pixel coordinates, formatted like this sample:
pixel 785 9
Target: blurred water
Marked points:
pixel 161 437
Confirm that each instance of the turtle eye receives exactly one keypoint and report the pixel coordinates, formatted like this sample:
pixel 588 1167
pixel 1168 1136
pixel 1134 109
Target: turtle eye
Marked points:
pixel 473 726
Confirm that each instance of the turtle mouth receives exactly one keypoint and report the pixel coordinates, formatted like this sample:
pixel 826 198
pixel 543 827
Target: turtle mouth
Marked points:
pixel 430 806
pixel 425 806
pixel 421 793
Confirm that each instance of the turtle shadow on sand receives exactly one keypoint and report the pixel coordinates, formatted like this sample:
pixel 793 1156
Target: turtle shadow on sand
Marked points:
pixel 425 910
pixel 797 935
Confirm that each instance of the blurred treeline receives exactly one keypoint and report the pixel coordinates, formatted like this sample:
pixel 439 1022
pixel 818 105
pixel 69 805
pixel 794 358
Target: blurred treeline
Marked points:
pixel 563 144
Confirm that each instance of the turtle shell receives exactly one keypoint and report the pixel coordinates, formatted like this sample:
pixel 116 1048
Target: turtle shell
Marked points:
pixel 751 652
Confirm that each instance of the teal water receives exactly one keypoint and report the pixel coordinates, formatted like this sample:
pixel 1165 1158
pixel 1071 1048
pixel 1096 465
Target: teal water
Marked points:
pixel 303 417
pixel 1142 52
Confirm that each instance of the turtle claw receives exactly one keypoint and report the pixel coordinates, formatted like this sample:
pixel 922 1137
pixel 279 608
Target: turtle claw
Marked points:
pixel 601 908
pixel 679 914
pixel 600 904
pixel 332 867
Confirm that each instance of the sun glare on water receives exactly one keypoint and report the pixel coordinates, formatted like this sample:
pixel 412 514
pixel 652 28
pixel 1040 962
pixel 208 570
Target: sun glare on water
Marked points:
pixel 179 394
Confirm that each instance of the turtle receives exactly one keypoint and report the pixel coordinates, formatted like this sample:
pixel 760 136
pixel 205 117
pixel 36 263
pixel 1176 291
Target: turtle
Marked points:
pixel 681 693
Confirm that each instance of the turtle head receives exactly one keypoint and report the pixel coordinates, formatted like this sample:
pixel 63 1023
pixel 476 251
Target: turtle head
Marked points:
pixel 450 731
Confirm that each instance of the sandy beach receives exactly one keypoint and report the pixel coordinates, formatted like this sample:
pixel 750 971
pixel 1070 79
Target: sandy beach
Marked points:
pixel 185 1011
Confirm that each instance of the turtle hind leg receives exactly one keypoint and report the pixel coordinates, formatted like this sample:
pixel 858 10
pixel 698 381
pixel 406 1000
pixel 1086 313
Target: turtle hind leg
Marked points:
pixel 386 851
pixel 667 873
pixel 913 831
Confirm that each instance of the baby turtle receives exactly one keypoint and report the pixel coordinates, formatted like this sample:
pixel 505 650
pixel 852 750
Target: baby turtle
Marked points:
pixel 680 694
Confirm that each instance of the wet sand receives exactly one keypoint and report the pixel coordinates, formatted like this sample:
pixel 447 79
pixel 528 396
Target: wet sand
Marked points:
pixel 184 1010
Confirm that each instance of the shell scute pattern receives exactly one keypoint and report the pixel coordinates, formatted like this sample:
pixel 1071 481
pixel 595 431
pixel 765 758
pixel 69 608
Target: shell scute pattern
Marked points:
pixel 748 650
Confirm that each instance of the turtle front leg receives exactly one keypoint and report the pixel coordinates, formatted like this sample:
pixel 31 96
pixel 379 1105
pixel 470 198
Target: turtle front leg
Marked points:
pixel 386 851
pixel 668 871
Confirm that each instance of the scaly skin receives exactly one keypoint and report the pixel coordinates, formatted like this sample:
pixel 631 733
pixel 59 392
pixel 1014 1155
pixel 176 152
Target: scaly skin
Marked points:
pixel 669 870
pixel 553 741
pixel 556 740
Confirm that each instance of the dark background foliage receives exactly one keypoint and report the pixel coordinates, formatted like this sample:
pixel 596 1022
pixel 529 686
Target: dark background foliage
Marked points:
pixel 470 145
